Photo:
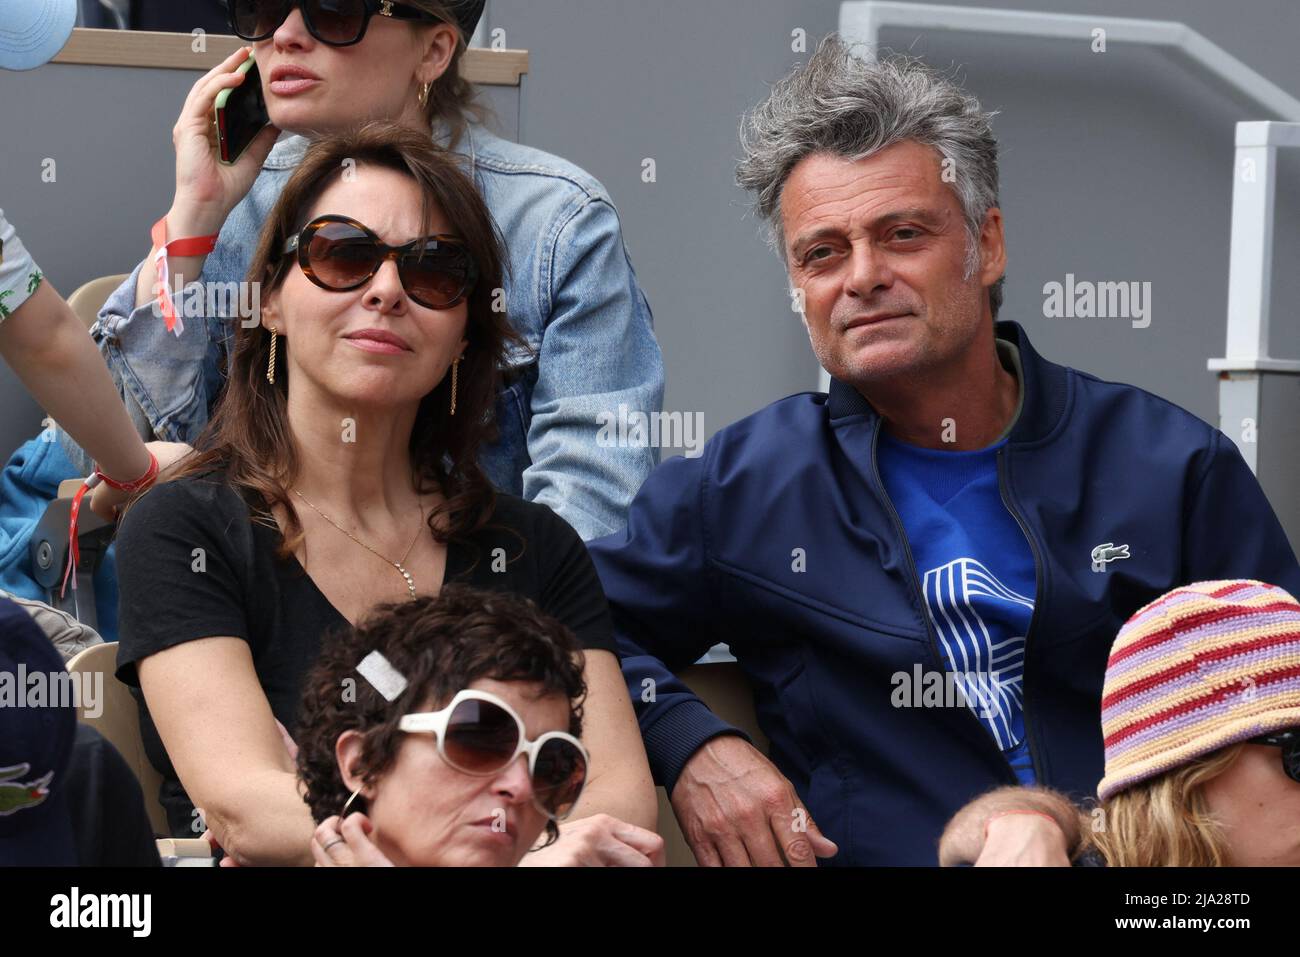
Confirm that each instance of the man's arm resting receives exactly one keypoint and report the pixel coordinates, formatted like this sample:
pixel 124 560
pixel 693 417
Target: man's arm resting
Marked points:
pixel 1018 831
pixel 675 722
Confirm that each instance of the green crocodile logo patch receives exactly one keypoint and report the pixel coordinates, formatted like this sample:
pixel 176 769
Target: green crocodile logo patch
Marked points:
pixel 18 795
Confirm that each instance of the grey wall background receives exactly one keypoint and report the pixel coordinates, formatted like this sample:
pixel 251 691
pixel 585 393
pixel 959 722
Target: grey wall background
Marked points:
pixel 1115 167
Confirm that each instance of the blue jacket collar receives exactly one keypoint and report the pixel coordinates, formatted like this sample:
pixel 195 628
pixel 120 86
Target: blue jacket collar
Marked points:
pixel 1045 391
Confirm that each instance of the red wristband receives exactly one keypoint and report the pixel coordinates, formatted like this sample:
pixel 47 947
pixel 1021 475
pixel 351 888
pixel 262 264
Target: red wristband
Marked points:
pixel 74 548
pixel 190 246
pixel 994 817
pixel 144 481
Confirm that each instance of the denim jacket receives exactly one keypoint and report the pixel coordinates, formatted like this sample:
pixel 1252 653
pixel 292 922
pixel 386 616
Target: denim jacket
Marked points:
pixel 571 293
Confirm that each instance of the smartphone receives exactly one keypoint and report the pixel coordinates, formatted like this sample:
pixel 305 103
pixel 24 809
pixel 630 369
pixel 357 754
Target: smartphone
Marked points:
pixel 240 113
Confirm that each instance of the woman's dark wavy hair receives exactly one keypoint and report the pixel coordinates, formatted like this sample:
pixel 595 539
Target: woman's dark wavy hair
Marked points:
pixel 248 435
pixel 440 645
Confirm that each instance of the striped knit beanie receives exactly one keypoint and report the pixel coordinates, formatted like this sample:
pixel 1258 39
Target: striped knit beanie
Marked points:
pixel 1204 666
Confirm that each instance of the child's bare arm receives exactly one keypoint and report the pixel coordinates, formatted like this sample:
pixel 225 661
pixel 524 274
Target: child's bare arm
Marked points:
pixel 50 350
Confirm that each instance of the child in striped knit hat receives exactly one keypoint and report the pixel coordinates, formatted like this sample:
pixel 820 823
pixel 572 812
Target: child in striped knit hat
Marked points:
pixel 1200 718
pixel 1202 693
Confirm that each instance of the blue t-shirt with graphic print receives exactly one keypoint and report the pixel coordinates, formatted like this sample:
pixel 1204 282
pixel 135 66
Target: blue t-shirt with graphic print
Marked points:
pixel 977 575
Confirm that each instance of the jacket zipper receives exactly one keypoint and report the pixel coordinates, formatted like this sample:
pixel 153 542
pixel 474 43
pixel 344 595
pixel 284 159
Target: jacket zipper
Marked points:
pixel 929 627
pixel 1033 616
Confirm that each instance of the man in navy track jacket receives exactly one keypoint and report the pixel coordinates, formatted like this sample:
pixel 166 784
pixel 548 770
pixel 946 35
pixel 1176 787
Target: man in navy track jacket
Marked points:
pixel 921 572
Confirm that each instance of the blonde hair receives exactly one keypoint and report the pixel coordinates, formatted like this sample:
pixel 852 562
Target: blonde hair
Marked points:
pixel 1165 821
pixel 452 98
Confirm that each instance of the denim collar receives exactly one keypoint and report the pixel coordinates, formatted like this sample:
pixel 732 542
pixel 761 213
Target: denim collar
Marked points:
pixel 1043 386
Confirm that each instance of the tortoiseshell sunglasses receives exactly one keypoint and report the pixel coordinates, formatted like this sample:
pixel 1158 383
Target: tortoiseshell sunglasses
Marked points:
pixel 340 254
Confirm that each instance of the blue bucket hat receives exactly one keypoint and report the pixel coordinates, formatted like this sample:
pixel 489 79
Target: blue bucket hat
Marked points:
pixel 33 31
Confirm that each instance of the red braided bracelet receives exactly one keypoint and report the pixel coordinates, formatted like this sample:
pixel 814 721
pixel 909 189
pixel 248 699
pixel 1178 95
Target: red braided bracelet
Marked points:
pixel 144 481
pixel 74 547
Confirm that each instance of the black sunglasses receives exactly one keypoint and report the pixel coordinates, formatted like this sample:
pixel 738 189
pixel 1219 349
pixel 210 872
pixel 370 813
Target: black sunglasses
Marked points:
pixel 1289 742
pixel 339 23
pixel 339 254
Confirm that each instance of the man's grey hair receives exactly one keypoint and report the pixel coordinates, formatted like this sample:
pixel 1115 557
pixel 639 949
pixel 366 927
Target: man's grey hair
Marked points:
pixel 845 105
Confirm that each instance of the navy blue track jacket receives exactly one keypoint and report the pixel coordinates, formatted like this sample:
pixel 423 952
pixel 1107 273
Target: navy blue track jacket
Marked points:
pixel 711 553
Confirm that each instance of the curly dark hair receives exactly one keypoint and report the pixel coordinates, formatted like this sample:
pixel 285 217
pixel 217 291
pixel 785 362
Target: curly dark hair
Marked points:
pixel 440 645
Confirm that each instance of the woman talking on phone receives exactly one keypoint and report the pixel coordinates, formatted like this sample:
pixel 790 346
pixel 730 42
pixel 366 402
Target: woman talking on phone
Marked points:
pixel 575 302
pixel 574 299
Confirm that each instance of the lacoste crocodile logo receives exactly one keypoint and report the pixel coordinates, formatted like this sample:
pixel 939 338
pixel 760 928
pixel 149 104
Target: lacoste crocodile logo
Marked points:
pixel 17 795
pixel 1109 552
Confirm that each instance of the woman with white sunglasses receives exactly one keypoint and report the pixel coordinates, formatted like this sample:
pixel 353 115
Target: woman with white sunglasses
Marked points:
pixel 461 742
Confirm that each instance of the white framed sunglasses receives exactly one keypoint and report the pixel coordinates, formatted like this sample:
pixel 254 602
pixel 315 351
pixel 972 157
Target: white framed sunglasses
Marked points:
pixel 480 734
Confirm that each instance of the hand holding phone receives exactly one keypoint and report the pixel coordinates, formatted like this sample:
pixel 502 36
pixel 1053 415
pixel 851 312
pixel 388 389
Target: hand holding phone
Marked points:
pixel 207 189
pixel 240 113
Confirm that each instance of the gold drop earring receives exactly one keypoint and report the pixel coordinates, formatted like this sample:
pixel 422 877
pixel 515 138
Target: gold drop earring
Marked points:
pixel 270 363
pixel 454 367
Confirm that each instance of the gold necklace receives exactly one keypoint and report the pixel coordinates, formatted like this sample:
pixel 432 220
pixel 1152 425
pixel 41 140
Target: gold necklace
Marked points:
pixel 410 584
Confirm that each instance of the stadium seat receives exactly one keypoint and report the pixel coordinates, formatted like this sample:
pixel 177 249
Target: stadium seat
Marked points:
pixel 119 722
pixel 89 297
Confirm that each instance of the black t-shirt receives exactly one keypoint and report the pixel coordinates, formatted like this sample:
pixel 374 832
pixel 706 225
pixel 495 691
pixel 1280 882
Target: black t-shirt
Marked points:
pixel 192 562
pixel 110 826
